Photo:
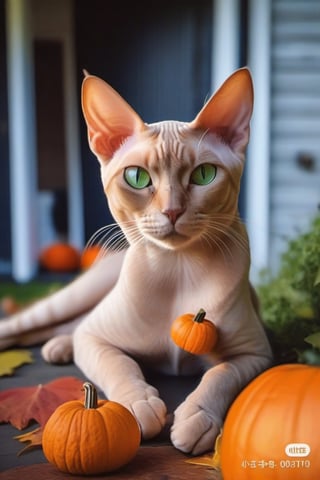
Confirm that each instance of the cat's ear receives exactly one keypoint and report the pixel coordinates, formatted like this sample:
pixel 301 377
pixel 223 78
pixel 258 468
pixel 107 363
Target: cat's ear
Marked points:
pixel 110 119
pixel 227 113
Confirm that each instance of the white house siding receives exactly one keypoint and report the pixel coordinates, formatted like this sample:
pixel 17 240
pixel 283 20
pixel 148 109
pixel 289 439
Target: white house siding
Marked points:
pixel 295 120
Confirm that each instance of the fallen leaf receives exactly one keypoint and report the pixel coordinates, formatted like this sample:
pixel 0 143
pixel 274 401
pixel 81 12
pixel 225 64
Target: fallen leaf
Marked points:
pixel 317 280
pixel 211 461
pixel 12 359
pixel 313 339
pixel 33 439
pixel 305 312
pixel 19 406
pixel 9 306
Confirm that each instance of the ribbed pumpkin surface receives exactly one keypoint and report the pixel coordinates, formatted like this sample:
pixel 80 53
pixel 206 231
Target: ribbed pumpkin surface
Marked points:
pixel 193 335
pixel 87 441
pixel 271 426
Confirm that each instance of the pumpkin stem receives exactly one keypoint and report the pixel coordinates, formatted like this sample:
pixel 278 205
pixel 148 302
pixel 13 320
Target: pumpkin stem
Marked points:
pixel 90 396
pixel 200 316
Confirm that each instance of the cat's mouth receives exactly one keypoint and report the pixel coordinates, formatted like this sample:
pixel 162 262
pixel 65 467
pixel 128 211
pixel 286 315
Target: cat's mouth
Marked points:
pixel 167 234
pixel 172 238
pixel 174 235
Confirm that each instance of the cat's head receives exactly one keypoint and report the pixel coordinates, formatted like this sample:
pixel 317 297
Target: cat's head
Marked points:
pixel 171 183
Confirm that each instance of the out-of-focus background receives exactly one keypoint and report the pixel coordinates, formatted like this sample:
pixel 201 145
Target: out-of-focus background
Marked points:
pixel 165 58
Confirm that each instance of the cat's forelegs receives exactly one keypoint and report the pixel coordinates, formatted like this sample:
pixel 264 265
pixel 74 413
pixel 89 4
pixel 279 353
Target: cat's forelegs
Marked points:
pixel 121 379
pixel 42 320
pixel 203 411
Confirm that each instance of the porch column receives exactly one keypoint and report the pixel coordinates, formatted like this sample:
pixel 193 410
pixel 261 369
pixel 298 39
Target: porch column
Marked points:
pixel 226 34
pixel 76 234
pixel 22 140
pixel 258 157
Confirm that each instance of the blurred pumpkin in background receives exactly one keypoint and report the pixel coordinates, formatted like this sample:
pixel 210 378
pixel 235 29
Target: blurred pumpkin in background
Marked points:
pixel 90 255
pixel 60 257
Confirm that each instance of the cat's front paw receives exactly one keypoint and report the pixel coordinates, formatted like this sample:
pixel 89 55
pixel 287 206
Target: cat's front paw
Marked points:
pixel 194 429
pixel 58 349
pixel 144 402
pixel 151 415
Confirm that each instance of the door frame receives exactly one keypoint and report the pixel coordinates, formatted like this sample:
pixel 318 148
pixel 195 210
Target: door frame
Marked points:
pixel 22 28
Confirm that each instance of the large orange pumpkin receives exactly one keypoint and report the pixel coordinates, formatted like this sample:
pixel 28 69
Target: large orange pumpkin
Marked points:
pixel 60 257
pixel 271 429
pixel 90 438
pixel 194 333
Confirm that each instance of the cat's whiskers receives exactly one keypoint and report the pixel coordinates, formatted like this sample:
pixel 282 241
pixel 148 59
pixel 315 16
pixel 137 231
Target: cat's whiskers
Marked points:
pixel 213 241
pixel 133 235
pixel 116 242
pixel 222 232
pixel 151 225
pixel 228 233
pixel 112 238
pixel 230 236
pixel 100 234
pixel 238 239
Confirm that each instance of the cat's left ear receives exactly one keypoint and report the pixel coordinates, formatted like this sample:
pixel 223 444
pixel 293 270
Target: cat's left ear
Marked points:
pixel 228 112
pixel 110 119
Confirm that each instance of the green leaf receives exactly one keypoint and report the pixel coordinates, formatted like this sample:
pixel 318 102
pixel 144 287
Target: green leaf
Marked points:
pixel 310 356
pixel 12 359
pixel 317 280
pixel 313 339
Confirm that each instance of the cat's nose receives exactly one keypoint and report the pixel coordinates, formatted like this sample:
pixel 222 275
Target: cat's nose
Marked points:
pixel 173 214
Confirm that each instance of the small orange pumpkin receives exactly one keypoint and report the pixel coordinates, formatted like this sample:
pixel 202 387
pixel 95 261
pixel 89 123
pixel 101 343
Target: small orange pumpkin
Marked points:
pixel 270 431
pixel 91 438
pixel 194 333
pixel 60 257
pixel 89 256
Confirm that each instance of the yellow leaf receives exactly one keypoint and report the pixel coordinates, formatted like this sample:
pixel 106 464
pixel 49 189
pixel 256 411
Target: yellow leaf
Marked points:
pixel 34 439
pixel 211 461
pixel 305 312
pixel 12 359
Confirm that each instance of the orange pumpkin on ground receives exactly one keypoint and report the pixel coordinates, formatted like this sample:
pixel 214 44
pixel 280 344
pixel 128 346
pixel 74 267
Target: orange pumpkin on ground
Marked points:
pixel 60 257
pixel 194 333
pixel 271 429
pixel 91 438
pixel 90 255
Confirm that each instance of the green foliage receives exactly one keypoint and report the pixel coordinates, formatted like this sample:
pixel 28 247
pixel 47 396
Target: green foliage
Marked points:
pixel 27 292
pixel 290 302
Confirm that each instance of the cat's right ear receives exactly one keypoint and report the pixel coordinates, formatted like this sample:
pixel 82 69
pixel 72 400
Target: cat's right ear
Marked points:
pixel 110 119
pixel 228 112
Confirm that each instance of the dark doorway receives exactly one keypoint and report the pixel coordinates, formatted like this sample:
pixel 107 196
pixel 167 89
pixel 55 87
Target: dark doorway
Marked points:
pixel 156 55
pixel 5 237
pixel 51 142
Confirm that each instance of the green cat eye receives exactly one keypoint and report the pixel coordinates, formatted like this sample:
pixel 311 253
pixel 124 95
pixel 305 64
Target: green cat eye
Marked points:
pixel 137 177
pixel 203 174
